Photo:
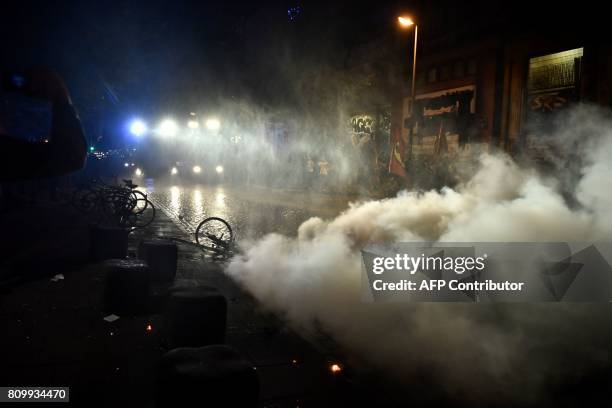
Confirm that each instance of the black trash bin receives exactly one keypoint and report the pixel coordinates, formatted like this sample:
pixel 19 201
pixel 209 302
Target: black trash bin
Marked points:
pixel 127 286
pixel 194 317
pixel 161 256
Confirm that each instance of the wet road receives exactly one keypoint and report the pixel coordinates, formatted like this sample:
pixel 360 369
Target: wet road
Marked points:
pixel 251 211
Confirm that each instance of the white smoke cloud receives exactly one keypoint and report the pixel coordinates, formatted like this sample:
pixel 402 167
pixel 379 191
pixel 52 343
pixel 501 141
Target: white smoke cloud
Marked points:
pixel 479 351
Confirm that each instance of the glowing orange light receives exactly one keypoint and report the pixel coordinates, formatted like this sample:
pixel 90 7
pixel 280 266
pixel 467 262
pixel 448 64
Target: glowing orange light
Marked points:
pixel 149 328
pixel 335 368
pixel 405 21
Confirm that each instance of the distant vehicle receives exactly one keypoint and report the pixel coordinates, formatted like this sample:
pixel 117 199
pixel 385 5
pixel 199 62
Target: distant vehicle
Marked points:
pixel 200 171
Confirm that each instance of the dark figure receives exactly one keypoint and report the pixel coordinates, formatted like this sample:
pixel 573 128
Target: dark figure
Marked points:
pixel 66 149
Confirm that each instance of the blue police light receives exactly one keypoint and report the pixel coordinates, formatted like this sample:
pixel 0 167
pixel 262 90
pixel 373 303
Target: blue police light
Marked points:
pixel 138 127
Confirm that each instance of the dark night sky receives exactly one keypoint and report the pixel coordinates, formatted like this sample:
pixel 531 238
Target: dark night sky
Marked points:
pixel 157 56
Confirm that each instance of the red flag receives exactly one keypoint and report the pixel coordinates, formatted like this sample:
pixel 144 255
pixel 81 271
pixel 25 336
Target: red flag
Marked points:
pixel 398 145
pixel 441 146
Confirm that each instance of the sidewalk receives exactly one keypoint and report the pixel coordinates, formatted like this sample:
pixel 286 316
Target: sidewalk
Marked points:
pixel 53 333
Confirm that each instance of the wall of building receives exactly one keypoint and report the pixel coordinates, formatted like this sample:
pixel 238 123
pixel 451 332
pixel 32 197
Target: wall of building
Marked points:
pixel 594 86
pixel 502 100
pixel 501 82
pixel 482 79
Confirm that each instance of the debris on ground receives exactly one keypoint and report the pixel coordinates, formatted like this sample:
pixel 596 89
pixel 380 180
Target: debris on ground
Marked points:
pixel 111 318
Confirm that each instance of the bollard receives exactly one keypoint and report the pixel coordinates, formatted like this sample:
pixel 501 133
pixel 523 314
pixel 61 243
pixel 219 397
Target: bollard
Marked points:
pixel 161 256
pixel 212 376
pixel 127 286
pixel 108 243
pixel 195 317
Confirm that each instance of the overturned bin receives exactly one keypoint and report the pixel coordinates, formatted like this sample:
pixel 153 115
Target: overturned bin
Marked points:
pixel 211 376
pixel 161 256
pixel 194 317
pixel 127 285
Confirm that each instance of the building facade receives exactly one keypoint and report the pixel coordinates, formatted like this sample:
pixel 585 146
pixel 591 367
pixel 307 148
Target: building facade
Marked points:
pixel 491 93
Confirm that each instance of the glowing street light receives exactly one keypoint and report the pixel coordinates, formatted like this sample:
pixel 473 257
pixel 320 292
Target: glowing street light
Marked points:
pixel 174 170
pixel 193 124
pixel 213 124
pixel 168 128
pixel 219 169
pixel 197 169
pixel 335 368
pixel 138 127
pixel 138 172
pixel 406 22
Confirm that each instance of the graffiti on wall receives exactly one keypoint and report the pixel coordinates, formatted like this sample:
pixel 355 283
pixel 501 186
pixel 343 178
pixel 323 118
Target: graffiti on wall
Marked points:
pixel 362 124
pixel 370 136
pixel 362 130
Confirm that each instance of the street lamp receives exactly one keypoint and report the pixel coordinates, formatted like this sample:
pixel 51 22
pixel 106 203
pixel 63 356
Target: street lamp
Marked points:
pixel 406 22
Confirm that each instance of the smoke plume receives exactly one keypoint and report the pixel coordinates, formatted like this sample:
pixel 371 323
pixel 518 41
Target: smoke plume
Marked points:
pixel 512 352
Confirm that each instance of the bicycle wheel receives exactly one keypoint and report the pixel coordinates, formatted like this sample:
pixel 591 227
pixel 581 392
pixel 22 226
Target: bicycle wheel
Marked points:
pixel 139 219
pixel 117 202
pixel 214 233
pixel 141 203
